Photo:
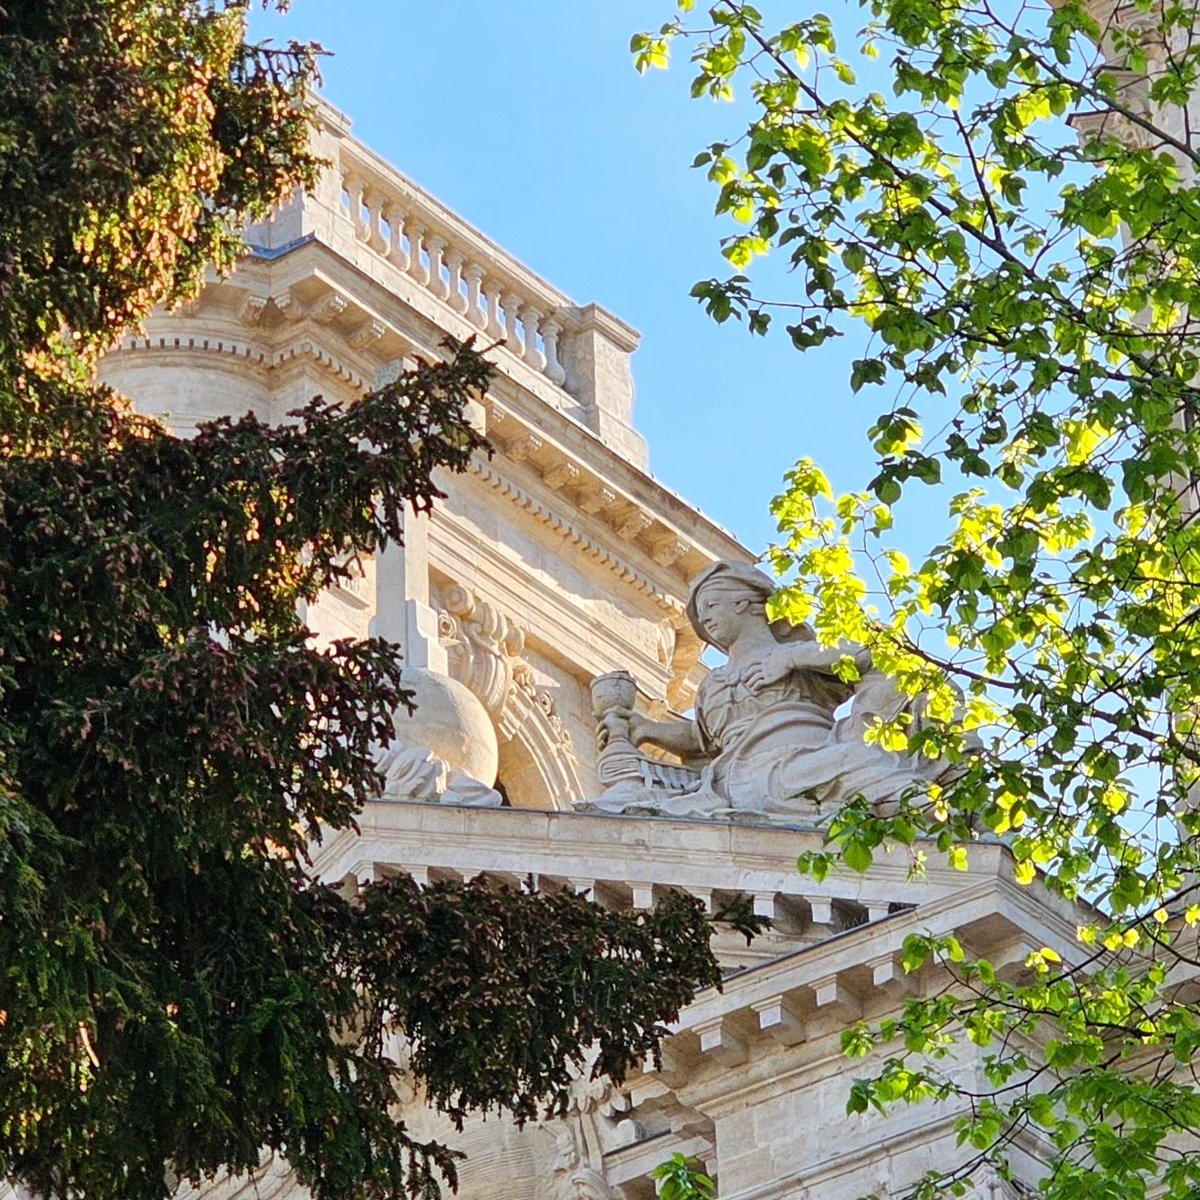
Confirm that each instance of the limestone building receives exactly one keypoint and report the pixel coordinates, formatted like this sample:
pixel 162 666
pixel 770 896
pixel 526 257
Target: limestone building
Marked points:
pixel 557 561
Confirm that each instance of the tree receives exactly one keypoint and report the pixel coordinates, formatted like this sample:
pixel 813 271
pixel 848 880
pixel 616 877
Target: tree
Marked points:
pixel 1030 295
pixel 176 991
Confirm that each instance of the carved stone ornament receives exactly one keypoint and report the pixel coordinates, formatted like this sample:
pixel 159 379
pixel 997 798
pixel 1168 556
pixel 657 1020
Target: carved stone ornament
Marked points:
pixel 590 1184
pixel 484 649
pixel 483 645
pixel 596 1122
pixel 416 775
pixel 765 743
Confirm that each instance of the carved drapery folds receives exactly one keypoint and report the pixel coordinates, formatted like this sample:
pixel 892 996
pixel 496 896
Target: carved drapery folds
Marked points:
pixel 768 740
pixel 416 774
pixel 485 648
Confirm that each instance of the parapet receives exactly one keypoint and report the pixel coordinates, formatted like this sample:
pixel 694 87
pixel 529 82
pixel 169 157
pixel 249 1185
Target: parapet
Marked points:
pixel 576 357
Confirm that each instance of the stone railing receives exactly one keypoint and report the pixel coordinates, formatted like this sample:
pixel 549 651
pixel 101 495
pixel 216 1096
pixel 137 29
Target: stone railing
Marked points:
pixel 499 297
pixel 412 243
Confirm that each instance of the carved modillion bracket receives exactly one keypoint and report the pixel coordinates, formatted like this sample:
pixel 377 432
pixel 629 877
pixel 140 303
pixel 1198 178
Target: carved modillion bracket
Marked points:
pixel 636 522
pixel 564 474
pixel 597 498
pixel 366 334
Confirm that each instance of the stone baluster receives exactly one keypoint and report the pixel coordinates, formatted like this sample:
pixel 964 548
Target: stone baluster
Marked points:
pixel 476 313
pixel 437 285
pixel 555 371
pixel 531 318
pixel 396 252
pixel 355 187
pixel 416 266
pixel 376 238
pixel 495 327
pixel 511 303
pixel 458 301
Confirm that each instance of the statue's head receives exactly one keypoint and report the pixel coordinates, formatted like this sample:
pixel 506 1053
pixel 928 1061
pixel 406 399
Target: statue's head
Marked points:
pixel 728 595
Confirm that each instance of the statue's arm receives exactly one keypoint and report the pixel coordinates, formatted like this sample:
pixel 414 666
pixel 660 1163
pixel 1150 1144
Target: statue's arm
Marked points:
pixel 680 737
pixel 802 656
pixel 677 737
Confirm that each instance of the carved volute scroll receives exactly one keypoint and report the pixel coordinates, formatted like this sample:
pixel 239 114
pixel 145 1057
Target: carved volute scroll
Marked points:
pixel 484 649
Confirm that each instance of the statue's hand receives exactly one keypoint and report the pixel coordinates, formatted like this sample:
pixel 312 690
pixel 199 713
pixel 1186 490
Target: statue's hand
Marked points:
pixel 620 723
pixel 771 669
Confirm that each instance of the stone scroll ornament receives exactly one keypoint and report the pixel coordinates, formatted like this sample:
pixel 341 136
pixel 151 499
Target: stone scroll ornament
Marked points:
pixel 766 742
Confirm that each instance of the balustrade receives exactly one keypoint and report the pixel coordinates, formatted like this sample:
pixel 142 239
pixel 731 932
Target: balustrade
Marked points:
pixel 499 298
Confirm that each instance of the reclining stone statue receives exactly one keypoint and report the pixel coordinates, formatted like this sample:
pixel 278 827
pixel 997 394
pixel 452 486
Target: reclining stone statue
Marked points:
pixel 765 742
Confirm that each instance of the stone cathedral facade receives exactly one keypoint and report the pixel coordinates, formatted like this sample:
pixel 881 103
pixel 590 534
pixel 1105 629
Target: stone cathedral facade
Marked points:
pixel 558 561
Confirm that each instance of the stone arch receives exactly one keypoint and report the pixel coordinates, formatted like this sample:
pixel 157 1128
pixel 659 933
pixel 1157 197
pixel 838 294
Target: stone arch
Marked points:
pixel 537 764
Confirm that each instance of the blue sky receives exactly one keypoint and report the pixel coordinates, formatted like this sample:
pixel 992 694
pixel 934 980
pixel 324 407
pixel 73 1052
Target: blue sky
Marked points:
pixel 528 118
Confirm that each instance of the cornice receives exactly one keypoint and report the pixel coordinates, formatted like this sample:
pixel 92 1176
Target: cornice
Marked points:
pixel 304 350
pixel 309 319
pixel 561 524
